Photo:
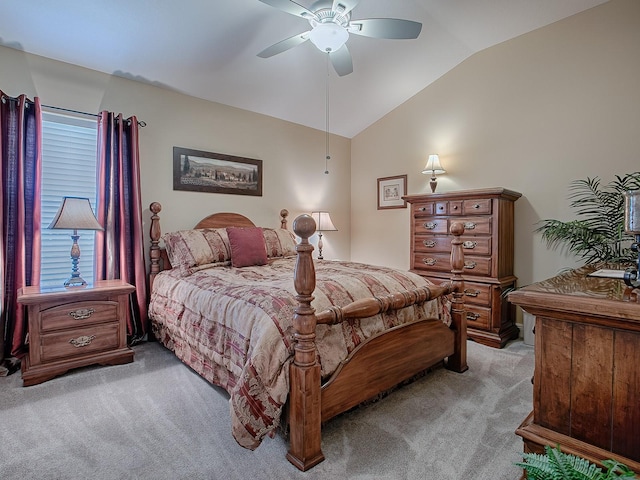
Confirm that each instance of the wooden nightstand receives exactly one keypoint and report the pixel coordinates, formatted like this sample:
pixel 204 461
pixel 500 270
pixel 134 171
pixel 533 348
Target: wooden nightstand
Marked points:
pixel 75 327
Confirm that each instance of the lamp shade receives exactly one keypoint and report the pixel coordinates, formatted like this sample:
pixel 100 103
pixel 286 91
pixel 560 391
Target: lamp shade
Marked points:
pixel 323 222
pixel 328 37
pixel 75 214
pixel 433 166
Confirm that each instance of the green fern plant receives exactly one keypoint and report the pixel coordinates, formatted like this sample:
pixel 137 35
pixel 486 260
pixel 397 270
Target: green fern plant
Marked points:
pixel 557 465
pixel 598 234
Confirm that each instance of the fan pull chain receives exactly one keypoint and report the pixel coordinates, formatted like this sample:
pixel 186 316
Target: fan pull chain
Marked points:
pixel 327 155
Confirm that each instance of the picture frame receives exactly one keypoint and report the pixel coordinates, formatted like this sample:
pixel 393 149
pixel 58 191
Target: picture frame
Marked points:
pixel 390 192
pixel 200 171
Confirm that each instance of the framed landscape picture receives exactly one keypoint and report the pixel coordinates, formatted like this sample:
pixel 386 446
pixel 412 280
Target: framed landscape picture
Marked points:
pixel 390 192
pixel 199 171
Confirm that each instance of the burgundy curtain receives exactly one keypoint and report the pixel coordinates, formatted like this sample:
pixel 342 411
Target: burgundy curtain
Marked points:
pixel 20 147
pixel 120 247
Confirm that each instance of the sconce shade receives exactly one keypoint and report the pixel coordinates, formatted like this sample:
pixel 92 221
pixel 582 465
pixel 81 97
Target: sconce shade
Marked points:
pixel 323 222
pixel 433 166
pixel 75 214
pixel 632 211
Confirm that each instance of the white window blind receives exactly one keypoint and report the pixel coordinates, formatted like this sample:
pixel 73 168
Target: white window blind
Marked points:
pixel 69 146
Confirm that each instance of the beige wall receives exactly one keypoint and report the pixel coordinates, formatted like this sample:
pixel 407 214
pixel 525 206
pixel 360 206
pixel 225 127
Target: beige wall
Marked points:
pixel 292 155
pixel 530 114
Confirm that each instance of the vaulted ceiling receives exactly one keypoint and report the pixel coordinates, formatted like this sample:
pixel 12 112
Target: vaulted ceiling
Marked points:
pixel 208 49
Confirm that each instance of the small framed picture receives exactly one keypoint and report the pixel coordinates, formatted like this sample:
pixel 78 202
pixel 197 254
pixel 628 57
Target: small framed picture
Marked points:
pixel 390 192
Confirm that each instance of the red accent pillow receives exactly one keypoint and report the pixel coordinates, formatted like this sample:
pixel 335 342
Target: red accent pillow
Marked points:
pixel 247 246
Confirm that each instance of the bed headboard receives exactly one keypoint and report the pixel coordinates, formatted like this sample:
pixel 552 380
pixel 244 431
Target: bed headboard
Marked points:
pixel 158 255
pixel 223 220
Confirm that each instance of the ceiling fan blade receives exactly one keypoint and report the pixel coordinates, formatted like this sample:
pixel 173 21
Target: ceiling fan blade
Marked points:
pixel 283 45
pixel 289 6
pixel 342 7
pixel 385 28
pixel 341 61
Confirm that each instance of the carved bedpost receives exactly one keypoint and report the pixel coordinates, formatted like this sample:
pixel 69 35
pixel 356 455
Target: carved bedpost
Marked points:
pixel 154 250
pixel 458 361
pixel 284 213
pixel 304 374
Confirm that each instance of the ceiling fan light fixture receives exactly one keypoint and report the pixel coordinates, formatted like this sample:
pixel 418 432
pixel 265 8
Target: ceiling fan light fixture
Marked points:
pixel 328 37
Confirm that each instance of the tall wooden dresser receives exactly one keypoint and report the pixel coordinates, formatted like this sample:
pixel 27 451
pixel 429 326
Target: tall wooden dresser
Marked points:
pixel 488 216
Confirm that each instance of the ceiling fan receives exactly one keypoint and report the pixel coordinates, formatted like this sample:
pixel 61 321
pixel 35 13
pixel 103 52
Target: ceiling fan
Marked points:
pixel 331 25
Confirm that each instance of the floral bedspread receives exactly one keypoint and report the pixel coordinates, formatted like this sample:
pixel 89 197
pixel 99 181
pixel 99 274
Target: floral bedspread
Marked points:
pixel 234 326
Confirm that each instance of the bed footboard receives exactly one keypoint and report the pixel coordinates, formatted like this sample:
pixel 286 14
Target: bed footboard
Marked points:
pixel 386 360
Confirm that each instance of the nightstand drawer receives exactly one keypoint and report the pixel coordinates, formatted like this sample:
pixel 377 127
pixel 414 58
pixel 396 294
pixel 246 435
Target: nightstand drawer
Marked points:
pixel 77 314
pixel 79 341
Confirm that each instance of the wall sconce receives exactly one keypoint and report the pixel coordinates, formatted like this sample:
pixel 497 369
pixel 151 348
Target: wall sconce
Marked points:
pixel 632 226
pixel 323 224
pixel 433 168
pixel 75 214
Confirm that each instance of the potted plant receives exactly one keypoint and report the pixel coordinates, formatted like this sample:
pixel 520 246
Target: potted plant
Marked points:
pixel 597 235
pixel 557 465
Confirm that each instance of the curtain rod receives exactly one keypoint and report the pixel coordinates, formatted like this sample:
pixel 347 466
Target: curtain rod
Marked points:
pixel 141 123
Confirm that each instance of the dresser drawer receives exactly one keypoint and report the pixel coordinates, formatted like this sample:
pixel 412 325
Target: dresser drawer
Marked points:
pixel 76 314
pixel 476 265
pixel 441 243
pixel 441 262
pixel 478 317
pixel 474 225
pixel 477 293
pixel 422 208
pixel 481 206
pixel 431 225
pixel 432 243
pixel 79 341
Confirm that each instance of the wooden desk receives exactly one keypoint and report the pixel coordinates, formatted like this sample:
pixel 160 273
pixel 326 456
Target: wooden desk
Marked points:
pixel 586 388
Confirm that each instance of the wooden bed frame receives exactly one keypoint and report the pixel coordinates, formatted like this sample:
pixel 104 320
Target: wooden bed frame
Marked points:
pixel 376 365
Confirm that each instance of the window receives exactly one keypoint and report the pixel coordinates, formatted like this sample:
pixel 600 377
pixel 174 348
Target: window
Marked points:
pixel 69 146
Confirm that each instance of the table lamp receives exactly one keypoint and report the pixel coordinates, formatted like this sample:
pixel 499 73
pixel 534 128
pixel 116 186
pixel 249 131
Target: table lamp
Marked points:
pixel 323 223
pixel 434 168
pixel 75 214
pixel 632 226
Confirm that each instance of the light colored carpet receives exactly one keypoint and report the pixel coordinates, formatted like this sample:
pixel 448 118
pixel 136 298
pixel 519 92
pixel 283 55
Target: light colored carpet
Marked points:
pixel 156 419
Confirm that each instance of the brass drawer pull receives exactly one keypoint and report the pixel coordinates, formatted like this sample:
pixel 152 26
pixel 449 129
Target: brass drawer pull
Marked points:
pixel 81 313
pixel 469 244
pixel 470 265
pixel 471 293
pixel 429 243
pixel 472 316
pixel 429 261
pixel 430 225
pixel 82 341
pixel 469 226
